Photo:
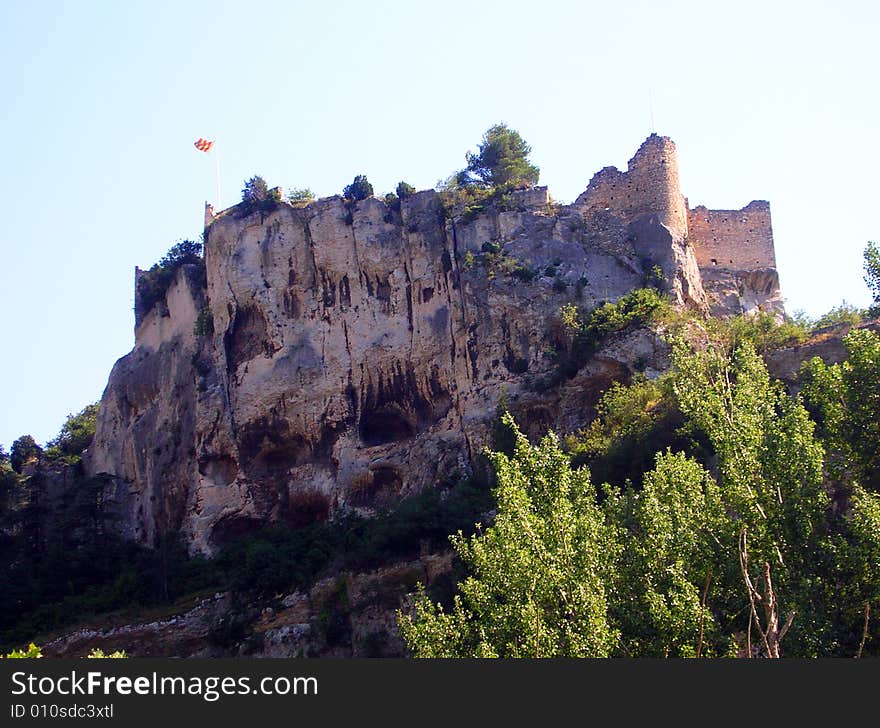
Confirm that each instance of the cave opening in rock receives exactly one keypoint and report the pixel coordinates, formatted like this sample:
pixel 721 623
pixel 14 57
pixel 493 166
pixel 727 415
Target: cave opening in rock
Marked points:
pixel 384 426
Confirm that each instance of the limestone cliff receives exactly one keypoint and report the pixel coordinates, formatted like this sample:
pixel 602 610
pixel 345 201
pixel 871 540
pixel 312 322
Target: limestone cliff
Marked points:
pixel 359 350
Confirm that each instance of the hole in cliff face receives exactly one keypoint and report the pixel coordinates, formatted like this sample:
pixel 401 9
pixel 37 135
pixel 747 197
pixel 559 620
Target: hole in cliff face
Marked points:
pixel 221 470
pixel 306 507
pixel 269 448
pixel 247 337
pixel 381 485
pixel 397 403
pixel 384 426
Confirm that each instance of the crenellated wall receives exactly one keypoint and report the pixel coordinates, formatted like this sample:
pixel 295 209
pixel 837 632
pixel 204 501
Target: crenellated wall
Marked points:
pixel 737 239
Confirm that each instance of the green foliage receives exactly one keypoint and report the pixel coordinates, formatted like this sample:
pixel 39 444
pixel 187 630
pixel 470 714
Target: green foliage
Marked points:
pixel 872 275
pixel 359 189
pixel 463 199
pixel 675 534
pixel 502 160
pixel 845 400
pixel 538 574
pixel 99 654
pixel 23 450
pixel 654 278
pixel 76 433
pixel 762 330
pixel 153 284
pixel 405 190
pixel 636 307
pixel 204 324
pixel 845 313
pixel 670 581
pixel 32 652
pixel 300 196
pixel 632 424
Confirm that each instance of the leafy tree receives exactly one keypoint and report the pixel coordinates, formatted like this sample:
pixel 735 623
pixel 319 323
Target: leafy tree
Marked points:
pixel 845 400
pixel 872 275
pixel 359 189
pixel 538 574
pixel 405 190
pixel 256 195
pixel 77 432
pixel 204 324
pixel 762 330
pixel 845 313
pixel 300 196
pixel 25 448
pixel 770 473
pixel 676 533
pixel 182 253
pixel 153 284
pixel 255 191
pixel 502 160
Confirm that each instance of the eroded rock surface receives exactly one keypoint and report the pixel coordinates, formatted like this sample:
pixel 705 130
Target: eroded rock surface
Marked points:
pixel 359 351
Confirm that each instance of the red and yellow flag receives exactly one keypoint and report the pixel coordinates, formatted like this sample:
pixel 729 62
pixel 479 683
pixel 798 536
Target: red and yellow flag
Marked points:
pixel 203 145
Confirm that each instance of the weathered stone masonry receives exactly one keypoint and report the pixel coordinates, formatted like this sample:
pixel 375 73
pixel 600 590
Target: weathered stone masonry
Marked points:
pixel 740 239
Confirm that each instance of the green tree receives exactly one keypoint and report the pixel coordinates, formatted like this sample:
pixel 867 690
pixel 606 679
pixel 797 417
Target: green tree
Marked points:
pixel 255 191
pixel 405 190
pixel 300 196
pixel 845 400
pixel 872 275
pixel 77 432
pixel 538 573
pixel 359 189
pixel 25 448
pixel 677 536
pixel 845 313
pixel 153 283
pixel 502 160
pixel 770 472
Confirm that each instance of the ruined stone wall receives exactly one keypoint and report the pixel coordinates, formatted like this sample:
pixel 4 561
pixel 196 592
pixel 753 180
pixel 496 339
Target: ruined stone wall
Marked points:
pixel 737 239
pixel 650 185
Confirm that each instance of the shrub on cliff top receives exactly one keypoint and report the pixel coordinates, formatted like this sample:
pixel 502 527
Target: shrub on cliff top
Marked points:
pixel 359 189
pixel 153 283
pixel 300 196
pixel 405 190
pixel 24 449
pixel 76 433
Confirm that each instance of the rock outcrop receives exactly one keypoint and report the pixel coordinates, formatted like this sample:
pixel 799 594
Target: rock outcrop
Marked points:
pixel 348 615
pixel 359 350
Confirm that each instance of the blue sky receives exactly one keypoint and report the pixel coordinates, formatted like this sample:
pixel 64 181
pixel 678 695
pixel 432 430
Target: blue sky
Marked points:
pixel 101 102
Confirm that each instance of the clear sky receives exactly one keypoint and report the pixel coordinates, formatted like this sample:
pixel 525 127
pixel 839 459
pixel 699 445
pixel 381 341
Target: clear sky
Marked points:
pixel 101 103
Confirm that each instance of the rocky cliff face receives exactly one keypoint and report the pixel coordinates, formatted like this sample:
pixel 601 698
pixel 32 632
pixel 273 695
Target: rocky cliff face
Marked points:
pixel 359 352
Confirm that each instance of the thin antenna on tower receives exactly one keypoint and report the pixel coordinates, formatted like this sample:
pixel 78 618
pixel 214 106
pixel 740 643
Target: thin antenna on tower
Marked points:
pixel 651 105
